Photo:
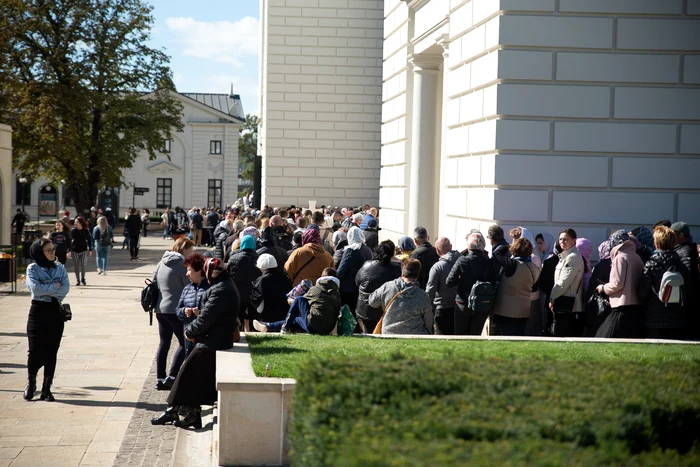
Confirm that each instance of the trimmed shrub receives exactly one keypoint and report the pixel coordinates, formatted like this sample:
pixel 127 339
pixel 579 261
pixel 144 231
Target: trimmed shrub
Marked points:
pixel 407 411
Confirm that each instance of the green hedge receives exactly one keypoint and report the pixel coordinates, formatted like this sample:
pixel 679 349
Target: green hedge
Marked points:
pixel 415 412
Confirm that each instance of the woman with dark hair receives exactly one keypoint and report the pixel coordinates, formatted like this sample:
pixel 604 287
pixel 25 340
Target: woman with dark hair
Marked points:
pixel 243 269
pixel 212 330
pixel 48 283
pixel 81 248
pixel 512 308
pixel 373 274
pixel 188 306
pixel 566 299
pixel 61 240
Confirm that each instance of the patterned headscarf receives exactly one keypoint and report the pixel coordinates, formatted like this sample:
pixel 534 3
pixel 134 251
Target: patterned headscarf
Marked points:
pixel 618 238
pixel 338 237
pixel 644 236
pixel 355 238
pixel 311 236
pixel 252 231
pixel 212 269
pixel 604 250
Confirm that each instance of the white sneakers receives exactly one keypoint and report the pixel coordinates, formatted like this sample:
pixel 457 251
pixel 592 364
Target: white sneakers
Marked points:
pixel 260 327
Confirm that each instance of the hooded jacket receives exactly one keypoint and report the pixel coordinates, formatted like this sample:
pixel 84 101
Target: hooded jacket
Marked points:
pixel 660 315
pixel 243 269
pixel 467 270
pixel 354 257
pixel 271 288
pixel 171 275
pixel 338 255
pixel 441 295
pixel 627 268
pixel 324 303
pixel 314 269
pixel 282 237
pixel 410 313
pixel 218 311
pixel 568 278
pixel 371 237
pixel 268 240
pixel 369 278
pixel 427 256
pixel 221 233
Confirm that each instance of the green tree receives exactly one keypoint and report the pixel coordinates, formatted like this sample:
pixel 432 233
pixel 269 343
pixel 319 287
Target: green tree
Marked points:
pixel 84 93
pixel 248 147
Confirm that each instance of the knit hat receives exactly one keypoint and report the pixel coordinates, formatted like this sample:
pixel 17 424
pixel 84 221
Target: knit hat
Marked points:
pixel 406 243
pixel 681 228
pixel 266 261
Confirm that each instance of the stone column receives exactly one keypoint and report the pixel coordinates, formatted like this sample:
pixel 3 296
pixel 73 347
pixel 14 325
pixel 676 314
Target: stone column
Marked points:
pixel 423 203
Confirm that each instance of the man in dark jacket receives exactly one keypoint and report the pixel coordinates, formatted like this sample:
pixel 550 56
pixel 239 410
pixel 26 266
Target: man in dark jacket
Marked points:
pixel 180 224
pixel 372 234
pixel 441 295
pixel 688 252
pixel 133 225
pixel 466 271
pixel 268 240
pixel 497 240
pixel 282 236
pixel 243 269
pixel 425 253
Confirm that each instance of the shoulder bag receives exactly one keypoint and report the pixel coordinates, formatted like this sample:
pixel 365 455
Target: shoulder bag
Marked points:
pixel 378 328
pixel 302 268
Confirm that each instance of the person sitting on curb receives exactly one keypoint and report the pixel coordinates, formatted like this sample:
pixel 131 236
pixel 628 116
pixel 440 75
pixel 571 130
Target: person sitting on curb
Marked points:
pixel 314 313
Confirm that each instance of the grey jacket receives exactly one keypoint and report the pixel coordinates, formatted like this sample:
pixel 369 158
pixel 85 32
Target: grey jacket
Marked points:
pixel 171 275
pixel 410 313
pixel 441 295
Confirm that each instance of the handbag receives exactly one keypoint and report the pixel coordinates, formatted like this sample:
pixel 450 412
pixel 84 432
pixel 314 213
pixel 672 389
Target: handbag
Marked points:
pixel 302 268
pixel 566 304
pixel 378 328
pixel 65 311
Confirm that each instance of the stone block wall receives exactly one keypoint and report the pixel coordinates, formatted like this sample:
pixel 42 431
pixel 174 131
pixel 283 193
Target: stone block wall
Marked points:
pixel 321 101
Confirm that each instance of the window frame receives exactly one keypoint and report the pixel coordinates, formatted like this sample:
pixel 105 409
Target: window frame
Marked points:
pixel 215 146
pixel 164 192
pixel 167 146
pixel 214 184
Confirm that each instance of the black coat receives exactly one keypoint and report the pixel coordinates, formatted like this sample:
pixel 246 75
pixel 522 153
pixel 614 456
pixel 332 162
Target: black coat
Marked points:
pixel 368 279
pixel 218 312
pixel 350 264
pixel 599 276
pixel 338 255
pixel 134 225
pixel 660 315
pixel 427 256
pixel 242 266
pixel 220 236
pixel 268 241
pixel 272 287
pixel 282 238
pixel 688 252
pixel 549 267
pixel 467 270
pixel 371 237
pixel 80 240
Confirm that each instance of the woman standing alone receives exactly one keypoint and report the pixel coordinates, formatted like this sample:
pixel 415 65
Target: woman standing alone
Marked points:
pixel 48 283
pixel 104 239
pixel 61 240
pixel 81 247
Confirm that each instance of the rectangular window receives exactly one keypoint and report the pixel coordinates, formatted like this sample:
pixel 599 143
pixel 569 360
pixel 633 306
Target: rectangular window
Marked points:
pixel 214 147
pixel 23 190
pixel 166 146
pixel 214 193
pixel 164 192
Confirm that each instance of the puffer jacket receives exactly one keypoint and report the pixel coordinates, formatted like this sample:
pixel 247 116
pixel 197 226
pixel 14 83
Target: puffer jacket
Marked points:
pixel 191 298
pixel 659 315
pixel 371 237
pixel 688 252
pixel 221 233
pixel 568 278
pixel 282 237
pixel 243 269
pixel 171 275
pixel 314 269
pixel 369 278
pixel 442 295
pixel 268 243
pixel 427 256
pixel 213 328
pixel 350 264
pixel 410 313
pixel 338 255
pixel 467 270
pixel 324 304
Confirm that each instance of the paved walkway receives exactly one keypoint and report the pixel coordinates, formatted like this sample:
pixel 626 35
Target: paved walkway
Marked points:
pixel 103 376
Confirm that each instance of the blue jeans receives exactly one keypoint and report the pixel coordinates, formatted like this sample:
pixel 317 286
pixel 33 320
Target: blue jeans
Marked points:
pixel 102 255
pixel 297 315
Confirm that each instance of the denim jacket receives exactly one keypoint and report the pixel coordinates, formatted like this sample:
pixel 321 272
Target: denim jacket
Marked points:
pixel 191 297
pixel 43 283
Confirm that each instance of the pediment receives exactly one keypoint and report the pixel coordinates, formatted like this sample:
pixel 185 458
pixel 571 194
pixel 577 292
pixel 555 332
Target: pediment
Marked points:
pixel 164 167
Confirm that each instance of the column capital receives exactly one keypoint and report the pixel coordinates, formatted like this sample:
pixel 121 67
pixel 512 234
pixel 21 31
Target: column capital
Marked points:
pixel 425 62
pixel 443 40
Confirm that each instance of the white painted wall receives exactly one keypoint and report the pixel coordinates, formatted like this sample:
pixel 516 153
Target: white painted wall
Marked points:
pixel 321 101
pixel 6 183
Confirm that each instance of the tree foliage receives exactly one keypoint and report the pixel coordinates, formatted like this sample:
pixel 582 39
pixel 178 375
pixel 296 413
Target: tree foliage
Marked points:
pixel 248 146
pixel 83 92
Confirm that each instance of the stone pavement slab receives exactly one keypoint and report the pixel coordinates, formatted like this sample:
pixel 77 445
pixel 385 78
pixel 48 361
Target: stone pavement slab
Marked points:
pixel 105 361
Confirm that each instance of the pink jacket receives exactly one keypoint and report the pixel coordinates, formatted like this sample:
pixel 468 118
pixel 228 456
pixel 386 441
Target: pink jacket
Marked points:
pixel 627 269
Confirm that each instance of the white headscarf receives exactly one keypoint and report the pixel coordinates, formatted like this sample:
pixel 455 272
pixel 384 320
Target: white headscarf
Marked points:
pixel 355 238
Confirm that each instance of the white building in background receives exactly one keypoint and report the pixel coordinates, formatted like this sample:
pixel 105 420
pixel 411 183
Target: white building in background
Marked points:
pixel 201 170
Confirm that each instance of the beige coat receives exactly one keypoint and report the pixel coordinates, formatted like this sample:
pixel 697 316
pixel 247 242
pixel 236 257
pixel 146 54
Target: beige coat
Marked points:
pixel 568 277
pixel 513 294
pixel 627 269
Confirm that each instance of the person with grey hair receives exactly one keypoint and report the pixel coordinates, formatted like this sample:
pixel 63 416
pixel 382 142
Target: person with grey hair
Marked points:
pixel 442 296
pixel 474 266
pixel 357 219
pixel 425 253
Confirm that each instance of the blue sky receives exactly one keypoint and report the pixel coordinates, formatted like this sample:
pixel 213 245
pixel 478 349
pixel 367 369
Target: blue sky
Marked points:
pixel 212 43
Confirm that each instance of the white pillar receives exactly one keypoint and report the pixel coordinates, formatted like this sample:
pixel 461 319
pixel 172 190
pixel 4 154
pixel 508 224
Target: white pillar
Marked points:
pixel 423 204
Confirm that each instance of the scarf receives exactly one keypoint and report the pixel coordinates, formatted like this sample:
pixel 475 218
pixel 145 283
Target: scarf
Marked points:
pixel 604 250
pixel 355 238
pixel 549 242
pixel 212 269
pixel 311 236
pixel 248 243
pixel 39 257
pixel 524 259
pixel 645 237
pixel 618 238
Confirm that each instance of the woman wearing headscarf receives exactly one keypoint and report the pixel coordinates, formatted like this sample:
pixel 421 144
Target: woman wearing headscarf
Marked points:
pixel 585 248
pixel 354 257
pixel 600 275
pixel 48 283
pixel 406 247
pixel 645 237
pixel 269 295
pixel 534 324
pixel 340 241
pixel 211 331
pixel 568 278
pixel 103 236
pixel 243 269
pixel 308 261
pixel 627 317
pixel 544 245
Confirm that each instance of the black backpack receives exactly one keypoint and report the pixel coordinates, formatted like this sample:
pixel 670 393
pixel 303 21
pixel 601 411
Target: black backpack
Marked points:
pixel 149 297
pixel 483 294
pixel 105 238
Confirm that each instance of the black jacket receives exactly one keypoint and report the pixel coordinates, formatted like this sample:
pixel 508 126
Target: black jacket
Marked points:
pixel 220 236
pixel 599 276
pixel 467 270
pixel 659 315
pixel 80 240
pixel 549 267
pixel 282 238
pixel 371 237
pixel 242 266
pixel 179 223
pixel 218 312
pixel 272 288
pixel 427 256
pixel 368 279
pixel 350 264
pixel 134 225
pixel 688 252
pixel 61 241
pixel 338 255
pixel 268 240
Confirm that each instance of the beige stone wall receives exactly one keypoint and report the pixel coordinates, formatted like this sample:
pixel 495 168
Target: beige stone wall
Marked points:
pixel 6 183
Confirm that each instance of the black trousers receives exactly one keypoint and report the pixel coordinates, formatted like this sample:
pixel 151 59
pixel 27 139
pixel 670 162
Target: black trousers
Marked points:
pixel 134 245
pixel 195 385
pixel 445 321
pixel 44 331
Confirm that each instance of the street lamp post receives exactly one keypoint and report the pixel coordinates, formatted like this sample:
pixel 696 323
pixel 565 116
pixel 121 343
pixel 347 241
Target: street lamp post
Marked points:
pixel 23 182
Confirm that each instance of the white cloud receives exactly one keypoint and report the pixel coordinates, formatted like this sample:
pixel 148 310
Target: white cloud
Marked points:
pixel 220 41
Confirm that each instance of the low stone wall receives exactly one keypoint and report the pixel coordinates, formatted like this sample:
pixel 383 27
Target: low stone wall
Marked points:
pixel 253 413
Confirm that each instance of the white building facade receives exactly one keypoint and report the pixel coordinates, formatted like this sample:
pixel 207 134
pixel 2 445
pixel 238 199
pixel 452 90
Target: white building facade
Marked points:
pixel 541 113
pixel 198 167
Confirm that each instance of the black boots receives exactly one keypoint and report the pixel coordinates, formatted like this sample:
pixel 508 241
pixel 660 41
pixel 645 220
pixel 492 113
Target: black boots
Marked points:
pixel 170 415
pixel 192 419
pixel 46 390
pixel 31 388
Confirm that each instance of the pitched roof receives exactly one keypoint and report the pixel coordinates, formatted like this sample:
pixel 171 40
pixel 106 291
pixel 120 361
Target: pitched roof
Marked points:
pixel 229 104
